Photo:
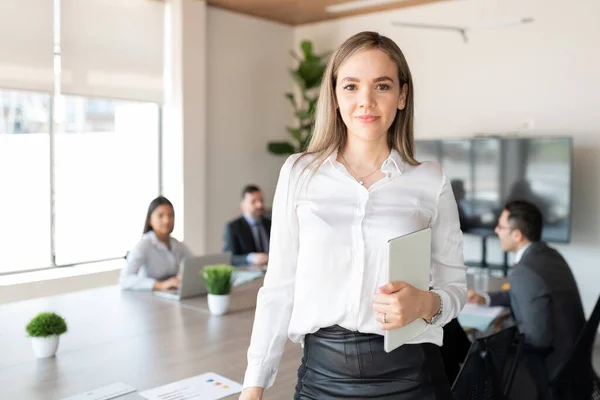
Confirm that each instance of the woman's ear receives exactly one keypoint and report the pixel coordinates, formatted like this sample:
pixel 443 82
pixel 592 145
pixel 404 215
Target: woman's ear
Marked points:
pixel 402 97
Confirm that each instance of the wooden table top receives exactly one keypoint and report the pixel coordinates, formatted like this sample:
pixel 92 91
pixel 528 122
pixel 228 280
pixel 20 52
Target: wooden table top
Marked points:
pixel 136 338
pixel 132 337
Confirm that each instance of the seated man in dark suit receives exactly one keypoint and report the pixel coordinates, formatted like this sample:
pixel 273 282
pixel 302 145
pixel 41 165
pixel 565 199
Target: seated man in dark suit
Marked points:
pixel 543 295
pixel 247 237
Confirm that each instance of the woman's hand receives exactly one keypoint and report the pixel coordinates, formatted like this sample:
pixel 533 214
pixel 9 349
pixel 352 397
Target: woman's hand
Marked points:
pixel 171 283
pixel 402 303
pixel 252 393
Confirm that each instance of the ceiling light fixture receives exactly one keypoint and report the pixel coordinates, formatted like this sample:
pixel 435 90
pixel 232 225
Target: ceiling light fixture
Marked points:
pixel 465 30
pixel 358 4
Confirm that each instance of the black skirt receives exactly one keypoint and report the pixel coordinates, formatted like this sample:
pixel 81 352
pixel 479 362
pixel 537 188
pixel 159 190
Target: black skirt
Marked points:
pixel 342 364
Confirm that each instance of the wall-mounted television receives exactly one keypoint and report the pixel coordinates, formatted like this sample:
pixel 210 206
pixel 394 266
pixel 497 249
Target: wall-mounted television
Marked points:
pixel 487 172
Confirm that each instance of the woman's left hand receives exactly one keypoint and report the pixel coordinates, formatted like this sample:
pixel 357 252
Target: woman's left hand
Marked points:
pixel 402 303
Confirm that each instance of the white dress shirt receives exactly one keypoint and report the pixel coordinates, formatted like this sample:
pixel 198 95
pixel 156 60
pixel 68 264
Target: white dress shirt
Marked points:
pixel 520 252
pixel 328 252
pixel 151 261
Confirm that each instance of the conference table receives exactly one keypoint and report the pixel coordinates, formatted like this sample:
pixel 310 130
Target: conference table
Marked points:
pixel 136 338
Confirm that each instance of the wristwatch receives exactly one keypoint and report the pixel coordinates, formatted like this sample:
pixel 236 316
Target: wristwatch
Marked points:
pixel 438 314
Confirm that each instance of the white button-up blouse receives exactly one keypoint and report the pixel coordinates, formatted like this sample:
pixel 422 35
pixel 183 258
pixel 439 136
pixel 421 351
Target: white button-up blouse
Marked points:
pixel 151 260
pixel 328 252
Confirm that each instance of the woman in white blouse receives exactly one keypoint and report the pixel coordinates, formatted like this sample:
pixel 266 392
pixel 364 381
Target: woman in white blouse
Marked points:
pixel 335 207
pixel 154 262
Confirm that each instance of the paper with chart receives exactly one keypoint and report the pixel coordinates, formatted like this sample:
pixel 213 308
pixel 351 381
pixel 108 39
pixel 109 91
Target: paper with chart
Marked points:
pixel 208 386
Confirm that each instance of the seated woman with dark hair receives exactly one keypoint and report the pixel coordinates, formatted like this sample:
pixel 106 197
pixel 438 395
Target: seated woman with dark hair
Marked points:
pixel 154 262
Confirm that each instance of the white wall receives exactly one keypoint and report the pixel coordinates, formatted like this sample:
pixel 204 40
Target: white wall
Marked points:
pixel 248 60
pixel 545 72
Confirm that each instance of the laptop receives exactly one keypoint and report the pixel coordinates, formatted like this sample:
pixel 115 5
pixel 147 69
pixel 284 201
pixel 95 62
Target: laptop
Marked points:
pixel 191 283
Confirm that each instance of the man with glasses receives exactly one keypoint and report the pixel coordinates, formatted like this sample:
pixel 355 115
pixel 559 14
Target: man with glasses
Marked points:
pixel 543 295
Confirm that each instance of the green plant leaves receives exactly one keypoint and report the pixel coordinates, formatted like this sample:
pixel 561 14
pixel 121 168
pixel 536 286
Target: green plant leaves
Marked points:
pixel 292 100
pixel 306 141
pixel 312 105
pixel 281 148
pixel 303 114
pixel 217 278
pixel 295 132
pixel 299 79
pixel 310 72
pixel 306 47
pixel 46 324
pixel 307 76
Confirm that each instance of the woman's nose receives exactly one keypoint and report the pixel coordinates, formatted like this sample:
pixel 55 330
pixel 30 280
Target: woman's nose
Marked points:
pixel 366 99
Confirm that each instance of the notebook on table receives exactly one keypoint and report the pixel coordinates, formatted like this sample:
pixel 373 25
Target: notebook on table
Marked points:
pixel 409 260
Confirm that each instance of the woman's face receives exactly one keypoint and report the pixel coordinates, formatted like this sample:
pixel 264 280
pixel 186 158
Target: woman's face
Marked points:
pixel 368 94
pixel 162 220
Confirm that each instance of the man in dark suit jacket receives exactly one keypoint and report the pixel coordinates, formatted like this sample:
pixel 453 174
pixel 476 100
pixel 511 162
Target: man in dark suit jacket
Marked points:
pixel 543 295
pixel 247 237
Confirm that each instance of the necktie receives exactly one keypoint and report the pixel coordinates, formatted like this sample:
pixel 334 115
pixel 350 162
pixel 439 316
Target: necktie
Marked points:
pixel 260 246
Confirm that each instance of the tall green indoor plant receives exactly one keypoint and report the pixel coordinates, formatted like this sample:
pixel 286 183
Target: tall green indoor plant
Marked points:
pixel 307 76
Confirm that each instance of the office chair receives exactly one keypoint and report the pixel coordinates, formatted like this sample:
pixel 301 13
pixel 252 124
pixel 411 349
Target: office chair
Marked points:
pixel 454 349
pixel 576 378
pixel 489 369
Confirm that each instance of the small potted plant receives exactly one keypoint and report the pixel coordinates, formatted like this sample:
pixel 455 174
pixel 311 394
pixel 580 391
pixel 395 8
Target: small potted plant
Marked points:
pixel 218 284
pixel 44 330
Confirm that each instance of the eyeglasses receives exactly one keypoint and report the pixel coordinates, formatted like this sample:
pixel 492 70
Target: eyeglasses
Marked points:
pixel 500 227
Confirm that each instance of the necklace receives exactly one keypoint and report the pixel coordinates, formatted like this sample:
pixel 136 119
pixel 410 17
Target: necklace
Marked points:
pixel 359 179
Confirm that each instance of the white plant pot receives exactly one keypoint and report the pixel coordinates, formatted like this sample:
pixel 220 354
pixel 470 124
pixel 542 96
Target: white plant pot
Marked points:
pixel 218 304
pixel 44 347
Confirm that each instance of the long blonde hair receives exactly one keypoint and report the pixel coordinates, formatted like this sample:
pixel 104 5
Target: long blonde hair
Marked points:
pixel 330 133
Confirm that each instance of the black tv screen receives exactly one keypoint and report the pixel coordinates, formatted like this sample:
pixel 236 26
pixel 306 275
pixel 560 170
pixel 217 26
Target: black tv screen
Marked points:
pixel 487 172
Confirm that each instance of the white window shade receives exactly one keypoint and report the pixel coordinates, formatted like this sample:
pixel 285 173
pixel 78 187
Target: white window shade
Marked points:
pixel 113 48
pixel 26 31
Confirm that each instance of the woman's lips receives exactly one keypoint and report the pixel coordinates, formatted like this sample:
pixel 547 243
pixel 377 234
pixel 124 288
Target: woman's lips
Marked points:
pixel 367 119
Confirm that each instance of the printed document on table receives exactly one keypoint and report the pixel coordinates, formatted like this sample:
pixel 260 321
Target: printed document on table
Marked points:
pixel 208 386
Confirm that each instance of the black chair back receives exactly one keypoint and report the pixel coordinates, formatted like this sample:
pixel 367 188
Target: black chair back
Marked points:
pixel 488 370
pixel 454 349
pixel 576 378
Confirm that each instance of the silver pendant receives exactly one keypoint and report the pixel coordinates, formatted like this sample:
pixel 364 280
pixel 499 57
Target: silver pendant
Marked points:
pixel 361 182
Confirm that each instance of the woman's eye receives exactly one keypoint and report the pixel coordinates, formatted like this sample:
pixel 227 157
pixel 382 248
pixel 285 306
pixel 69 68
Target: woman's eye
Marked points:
pixel 383 86
pixel 350 87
